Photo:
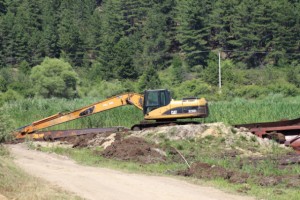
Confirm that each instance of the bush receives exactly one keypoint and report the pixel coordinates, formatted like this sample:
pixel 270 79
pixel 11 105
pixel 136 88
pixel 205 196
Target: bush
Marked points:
pixel 287 89
pixel 6 126
pixel 293 75
pixel 54 78
pixel 6 77
pixel 106 89
pixel 192 88
pixel 9 96
pixel 251 91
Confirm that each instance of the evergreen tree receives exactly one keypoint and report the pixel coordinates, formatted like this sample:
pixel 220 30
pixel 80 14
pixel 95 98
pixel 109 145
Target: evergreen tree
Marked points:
pixel 149 80
pixel 49 40
pixel 70 42
pixel 155 42
pixel 222 21
pixel 112 29
pixel 2 7
pixel 192 30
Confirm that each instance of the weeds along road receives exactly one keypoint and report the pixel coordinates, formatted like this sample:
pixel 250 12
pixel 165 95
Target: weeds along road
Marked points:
pixel 99 183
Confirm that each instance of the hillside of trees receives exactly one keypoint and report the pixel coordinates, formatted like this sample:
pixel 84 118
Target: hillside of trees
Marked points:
pixel 125 45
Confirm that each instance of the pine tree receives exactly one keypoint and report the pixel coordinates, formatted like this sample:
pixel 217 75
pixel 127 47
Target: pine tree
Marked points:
pixel 149 80
pixel 72 28
pixel 3 8
pixel 155 42
pixel 49 40
pixel 222 21
pixel 112 29
pixel 192 30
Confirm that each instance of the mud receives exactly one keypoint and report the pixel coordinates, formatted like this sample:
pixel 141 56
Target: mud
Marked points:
pixel 206 171
pixel 134 149
pixel 290 159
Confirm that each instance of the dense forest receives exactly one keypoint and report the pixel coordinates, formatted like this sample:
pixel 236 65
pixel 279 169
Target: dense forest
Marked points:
pixel 102 47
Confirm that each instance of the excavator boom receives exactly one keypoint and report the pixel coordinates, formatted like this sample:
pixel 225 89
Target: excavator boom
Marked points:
pixel 110 103
pixel 156 105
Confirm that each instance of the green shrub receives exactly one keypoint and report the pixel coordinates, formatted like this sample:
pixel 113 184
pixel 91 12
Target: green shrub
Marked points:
pixel 284 88
pixel 293 75
pixel 250 91
pixel 6 126
pixel 104 89
pixel 54 78
pixel 193 88
pixel 6 77
pixel 9 96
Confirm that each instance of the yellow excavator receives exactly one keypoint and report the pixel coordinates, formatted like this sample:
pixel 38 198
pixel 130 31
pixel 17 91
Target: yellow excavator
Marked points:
pixel 156 105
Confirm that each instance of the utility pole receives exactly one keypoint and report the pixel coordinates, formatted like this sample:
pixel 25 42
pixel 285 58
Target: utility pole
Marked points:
pixel 220 78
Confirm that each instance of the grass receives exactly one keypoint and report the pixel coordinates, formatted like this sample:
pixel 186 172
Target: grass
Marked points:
pixel 207 150
pixel 241 111
pixel 16 184
pixel 29 110
pixel 272 193
pixel 238 111
pixel 91 157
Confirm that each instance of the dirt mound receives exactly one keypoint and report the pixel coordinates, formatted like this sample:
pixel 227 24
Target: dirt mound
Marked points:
pixel 92 140
pixel 206 171
pixel 135 149
pixel 198 132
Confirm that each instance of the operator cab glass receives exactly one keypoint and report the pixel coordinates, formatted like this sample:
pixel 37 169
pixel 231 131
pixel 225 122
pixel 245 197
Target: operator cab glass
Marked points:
pixel 154 99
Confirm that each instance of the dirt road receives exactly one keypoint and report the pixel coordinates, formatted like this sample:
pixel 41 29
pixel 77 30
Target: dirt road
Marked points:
pixel 99 183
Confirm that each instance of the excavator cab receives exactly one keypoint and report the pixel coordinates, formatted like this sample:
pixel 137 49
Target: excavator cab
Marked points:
pixel 154 99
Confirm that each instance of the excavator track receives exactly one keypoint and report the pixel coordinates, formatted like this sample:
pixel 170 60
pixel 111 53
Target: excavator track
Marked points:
pixel 146 124
pixel 283 131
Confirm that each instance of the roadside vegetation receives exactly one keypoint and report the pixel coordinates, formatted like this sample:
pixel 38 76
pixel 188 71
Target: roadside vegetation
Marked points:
pixel 208 150
pixel 236 111
pixel 231 161
pixel 16 184
pixel 65 60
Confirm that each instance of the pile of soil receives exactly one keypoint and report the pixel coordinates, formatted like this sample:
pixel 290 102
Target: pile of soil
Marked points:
pixel 201 131
pixel 206 171
pixel 93 140
pixel 79 141
pixel 134 149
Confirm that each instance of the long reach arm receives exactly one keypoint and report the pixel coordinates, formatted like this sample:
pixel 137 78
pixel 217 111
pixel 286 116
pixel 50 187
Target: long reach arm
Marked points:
pixel 110 103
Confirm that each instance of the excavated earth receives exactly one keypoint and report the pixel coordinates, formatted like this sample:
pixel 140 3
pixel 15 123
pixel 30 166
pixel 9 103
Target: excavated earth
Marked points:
pixel 135 149
pixel 144 147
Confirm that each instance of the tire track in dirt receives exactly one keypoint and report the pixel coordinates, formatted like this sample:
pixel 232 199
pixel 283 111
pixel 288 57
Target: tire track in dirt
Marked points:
pixel 99 183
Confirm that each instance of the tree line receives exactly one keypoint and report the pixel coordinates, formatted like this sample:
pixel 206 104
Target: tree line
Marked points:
pixel 122 38
pixel 132 45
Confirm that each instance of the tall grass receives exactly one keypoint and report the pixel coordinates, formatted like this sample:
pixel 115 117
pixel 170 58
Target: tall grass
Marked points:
pixel 238 111
pixel 29 110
